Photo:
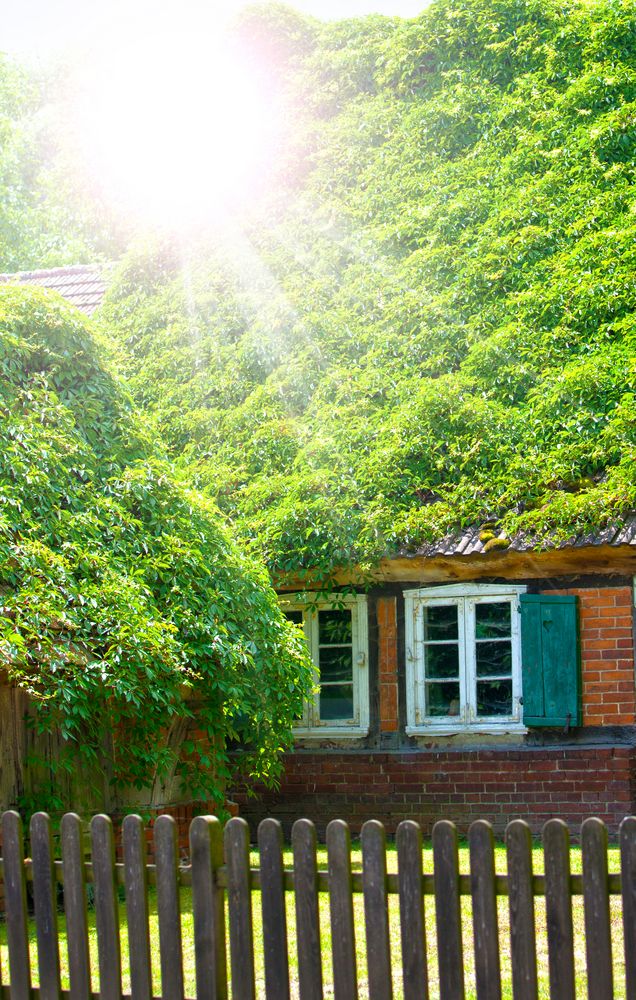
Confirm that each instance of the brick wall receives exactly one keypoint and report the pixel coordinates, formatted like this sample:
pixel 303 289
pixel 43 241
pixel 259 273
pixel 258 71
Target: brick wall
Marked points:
pixel 534 784
pixel 607 655
pixel 182 814
pixel 386 610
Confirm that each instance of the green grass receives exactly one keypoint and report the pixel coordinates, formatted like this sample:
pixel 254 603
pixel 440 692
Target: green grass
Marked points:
pixel 188 947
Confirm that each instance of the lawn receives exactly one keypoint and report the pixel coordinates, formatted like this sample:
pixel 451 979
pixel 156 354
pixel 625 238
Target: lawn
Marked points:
pixel 188 948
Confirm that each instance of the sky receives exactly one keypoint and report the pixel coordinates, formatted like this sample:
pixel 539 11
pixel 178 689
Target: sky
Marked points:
pixel 39 30
pixel 142 75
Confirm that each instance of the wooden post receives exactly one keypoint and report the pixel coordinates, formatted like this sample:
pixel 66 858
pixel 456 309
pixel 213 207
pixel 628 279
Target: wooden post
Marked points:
pixel 345 977
pixel 208 909
pixel 106 908
pixel 412 926
pixel 485 925
pixel 169 908
pixel 45 906
pixel 270 844
pixel 558 906
pixel 598 933
pixel 239 896
pixel 376 911
pixel 523 951
pixel 75 907
pixel 136 878
pixel 15 906
pixel 448 911
pixel 307 912
pixel 628 884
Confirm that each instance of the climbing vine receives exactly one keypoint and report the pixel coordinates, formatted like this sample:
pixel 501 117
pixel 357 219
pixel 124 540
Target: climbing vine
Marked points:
pixel 126 607
pixel 432 324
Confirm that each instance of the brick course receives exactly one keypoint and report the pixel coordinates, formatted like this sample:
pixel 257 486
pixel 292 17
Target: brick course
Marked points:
pixel 607 655
pixel 386 610
pixel 534 784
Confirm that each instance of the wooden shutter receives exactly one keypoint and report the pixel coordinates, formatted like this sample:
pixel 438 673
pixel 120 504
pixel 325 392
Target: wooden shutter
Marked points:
pixel 550 667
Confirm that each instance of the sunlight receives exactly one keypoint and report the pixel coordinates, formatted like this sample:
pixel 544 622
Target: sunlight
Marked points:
pixel 177 125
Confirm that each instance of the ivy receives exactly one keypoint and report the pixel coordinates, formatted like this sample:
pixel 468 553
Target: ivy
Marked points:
pixel 439 328
pixel 126 607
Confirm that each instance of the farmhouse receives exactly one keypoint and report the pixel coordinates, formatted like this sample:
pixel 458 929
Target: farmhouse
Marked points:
pixel 469 682
pixel 479 676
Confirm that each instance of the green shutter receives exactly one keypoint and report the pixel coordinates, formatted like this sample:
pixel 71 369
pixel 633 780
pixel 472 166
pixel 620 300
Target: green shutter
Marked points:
pixel 551 674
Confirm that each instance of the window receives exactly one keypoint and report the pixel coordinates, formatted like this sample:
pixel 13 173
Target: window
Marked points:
pixel 336 634
pixel 463 658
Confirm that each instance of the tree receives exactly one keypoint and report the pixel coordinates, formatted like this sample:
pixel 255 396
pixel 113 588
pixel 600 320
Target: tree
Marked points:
pixel 127 607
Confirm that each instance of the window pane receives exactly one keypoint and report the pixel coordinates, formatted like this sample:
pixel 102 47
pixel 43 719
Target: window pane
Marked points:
pixel 442 699
pixel 336 702
pixel 493 658
pixel 442 661
pixel 440 622
pixel 297 618
pixel 493 620
pixel 336 664
pixel 334 627
pixel 494 698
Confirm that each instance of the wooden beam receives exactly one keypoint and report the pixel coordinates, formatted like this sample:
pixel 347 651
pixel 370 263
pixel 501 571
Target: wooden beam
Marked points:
pixel 505 564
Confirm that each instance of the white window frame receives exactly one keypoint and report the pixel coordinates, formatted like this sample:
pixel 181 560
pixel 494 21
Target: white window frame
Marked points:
pixel 465 597
pixel 310 726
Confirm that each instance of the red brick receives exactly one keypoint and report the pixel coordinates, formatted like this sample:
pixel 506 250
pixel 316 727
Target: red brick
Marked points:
pixel 426 785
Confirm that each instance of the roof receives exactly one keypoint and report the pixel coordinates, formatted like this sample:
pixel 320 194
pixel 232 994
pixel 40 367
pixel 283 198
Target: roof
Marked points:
pixel 84 285
pixel 471 542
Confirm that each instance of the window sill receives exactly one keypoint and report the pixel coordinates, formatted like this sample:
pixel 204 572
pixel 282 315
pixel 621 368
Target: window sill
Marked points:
pixel 331 733
pixel 485 730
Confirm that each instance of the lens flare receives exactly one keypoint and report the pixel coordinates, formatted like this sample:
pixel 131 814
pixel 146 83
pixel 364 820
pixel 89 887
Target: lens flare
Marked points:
pixel 178 126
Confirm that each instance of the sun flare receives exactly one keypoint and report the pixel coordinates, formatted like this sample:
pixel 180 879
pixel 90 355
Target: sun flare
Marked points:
pixel 178 126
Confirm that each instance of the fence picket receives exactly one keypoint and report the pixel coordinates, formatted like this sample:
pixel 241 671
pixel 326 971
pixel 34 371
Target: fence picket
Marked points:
pixel 448 911
pixel 270 844
pixel 598 935
pixel 169 908
pixel 239 895
pixel 523 952
pixel 485 927
pixel 345 978
pixel 15 906
pixel 45 906
pixel 208 909
pixel 209 876
pixel 558 906
pixel 136 880
pixel 412 926
pixel 376 911
pixel 307 912
pixel 106 908
pixel 628 890
pixel 75 906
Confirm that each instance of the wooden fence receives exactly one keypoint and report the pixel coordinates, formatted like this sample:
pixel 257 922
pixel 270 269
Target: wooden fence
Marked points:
pixel 222 886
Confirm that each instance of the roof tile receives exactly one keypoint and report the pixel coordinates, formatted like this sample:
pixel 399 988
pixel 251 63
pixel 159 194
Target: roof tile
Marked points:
pixel 469 542
pixel 84 285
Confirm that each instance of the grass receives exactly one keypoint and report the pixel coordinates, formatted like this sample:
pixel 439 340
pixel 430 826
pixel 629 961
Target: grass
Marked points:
pixel 188 946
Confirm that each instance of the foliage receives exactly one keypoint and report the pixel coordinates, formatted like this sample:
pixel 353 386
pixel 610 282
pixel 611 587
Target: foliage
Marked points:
pixel 433 324
pixel 48 213
pixel 126 606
